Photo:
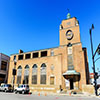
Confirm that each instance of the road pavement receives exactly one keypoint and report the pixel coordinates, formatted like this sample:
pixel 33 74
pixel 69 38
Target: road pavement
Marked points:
pixel 12 96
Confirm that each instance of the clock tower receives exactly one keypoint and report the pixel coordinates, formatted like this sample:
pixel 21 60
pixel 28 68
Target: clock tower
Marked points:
pixel 69 31
pixel 76 63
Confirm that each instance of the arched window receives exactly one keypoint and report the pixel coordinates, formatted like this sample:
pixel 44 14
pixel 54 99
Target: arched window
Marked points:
pixel 34 74
pixel 19 74
pixel 43 74
pixel 26 75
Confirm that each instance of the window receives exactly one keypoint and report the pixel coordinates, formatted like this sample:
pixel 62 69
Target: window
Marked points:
pixel 35 55
pixel 61 27
pixel 52 53
pixel 69 50
pixel 70 62
pixel 26 75
pixel 43 53
pixel 43 74
pixel 52 80
pixel 27 56
pixel 52 67
pixel 2 78
pixel 20 57
pixel 34 74
pixel 19 74
pixel 14 58
pixel 3 65
pixel 70 58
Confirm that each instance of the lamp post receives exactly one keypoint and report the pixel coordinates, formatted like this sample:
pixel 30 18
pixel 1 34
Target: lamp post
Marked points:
pixel 95 81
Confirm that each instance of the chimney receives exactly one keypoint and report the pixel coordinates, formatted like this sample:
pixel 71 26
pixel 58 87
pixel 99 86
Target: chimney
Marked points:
pixel 20 51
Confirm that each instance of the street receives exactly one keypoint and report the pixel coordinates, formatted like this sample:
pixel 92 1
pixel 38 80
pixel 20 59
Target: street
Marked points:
pixel 12 96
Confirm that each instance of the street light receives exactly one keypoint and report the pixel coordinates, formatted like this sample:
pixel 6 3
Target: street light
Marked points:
pixel 95 81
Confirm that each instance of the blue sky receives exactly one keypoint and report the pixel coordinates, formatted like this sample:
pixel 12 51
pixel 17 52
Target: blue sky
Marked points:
pixel 34 24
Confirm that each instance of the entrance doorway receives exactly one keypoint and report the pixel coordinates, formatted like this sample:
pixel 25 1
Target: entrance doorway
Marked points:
pixel 71 84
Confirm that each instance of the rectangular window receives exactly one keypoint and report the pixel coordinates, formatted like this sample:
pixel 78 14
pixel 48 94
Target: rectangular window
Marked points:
pixel 34 79
pixel 20 57
pixel 18 79
pixel 26 79
pixel 70 58
pixel 2 78
pixel 27 56
pixel 43 53
pixel 69 50
pixel 14 57
pixel 70 62
pixel 51 80
pixel 43 79
pixel 3 65
pixel 52 53
pixel 35 55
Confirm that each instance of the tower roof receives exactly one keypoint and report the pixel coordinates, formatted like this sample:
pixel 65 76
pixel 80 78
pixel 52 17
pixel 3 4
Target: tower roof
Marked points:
pixel 68 16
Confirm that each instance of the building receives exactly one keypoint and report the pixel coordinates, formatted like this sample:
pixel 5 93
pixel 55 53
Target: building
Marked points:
pixel 55 69
pixel 4 66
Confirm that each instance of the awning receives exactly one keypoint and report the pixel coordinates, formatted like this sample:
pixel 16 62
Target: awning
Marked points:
pixel 72 74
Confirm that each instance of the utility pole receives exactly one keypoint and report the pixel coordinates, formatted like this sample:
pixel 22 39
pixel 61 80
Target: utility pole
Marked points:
pixel 95 81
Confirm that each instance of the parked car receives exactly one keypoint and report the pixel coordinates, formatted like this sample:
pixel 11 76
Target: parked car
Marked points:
pixel 0 88
pixel 1 85
pixel 6 88
pixel 98 90
pixel 22 89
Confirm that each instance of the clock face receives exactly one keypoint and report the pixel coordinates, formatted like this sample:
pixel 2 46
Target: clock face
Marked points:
pixel 69 34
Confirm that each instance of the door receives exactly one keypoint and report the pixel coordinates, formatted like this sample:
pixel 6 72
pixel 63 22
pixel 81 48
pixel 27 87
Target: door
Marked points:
pixel 71 84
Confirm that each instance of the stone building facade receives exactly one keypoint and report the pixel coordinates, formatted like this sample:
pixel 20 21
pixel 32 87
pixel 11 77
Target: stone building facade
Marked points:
pixel 55 69
pixel 4 67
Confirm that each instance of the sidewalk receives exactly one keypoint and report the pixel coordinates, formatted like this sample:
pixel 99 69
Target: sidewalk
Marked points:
pixel 66 94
